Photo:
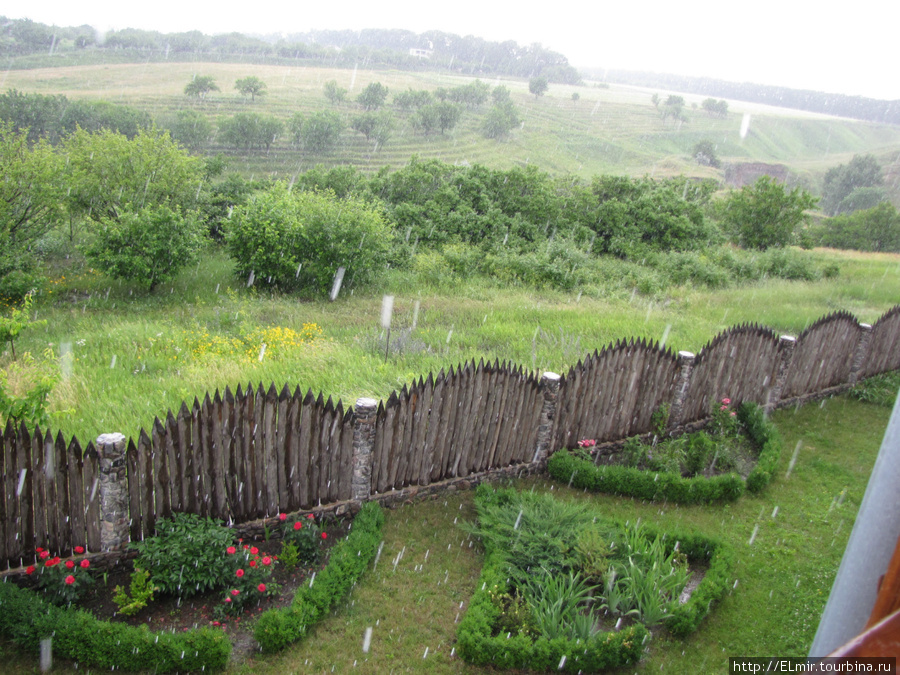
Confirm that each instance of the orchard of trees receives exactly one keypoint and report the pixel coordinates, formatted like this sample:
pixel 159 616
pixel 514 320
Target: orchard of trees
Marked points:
pixel 142 208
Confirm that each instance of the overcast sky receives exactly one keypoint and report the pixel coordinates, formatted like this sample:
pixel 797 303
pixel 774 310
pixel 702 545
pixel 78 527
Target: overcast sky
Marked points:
pixel 847 48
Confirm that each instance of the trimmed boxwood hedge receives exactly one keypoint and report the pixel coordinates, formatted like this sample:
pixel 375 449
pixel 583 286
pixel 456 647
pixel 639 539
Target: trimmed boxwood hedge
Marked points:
pixel 278 628
pixel 627 481
pixel 26 618
pixel 476 644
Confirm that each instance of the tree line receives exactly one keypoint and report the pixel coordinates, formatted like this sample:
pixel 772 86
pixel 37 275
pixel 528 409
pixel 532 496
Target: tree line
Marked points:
pixel 367 48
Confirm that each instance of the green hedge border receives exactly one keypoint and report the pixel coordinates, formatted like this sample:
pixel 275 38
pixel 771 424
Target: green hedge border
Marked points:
pixel 278 628
pixel 626 481
pixel 26 618
pixel 475 644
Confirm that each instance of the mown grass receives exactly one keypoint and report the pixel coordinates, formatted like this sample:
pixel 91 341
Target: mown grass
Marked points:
pixel 612 129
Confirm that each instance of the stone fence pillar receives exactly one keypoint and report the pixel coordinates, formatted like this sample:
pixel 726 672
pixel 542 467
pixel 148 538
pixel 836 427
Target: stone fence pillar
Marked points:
pixel 114 513
pixel 861 353
pixel 676 412
pixel 550 387
pixel 365 412
pixel 786 345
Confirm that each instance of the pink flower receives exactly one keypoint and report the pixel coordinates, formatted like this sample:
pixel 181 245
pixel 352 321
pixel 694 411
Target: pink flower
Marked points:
pixel 734 414
pixel 38 550
pixel 70 580
pixel 298 525
pixel 85 563
pixel 231 550
pixel 252 563
pixel 726 401
pixel 239 573
pixel 216 623
pixel 227 599
pixel 29 569
pixel 724 407
pixel 261 588
pixel 309 515
pixel 282 517
pixel 324 535
pixel 43 555
pixel 266 560
pixel 254 551
pixel 235 591
pixel 70 564
pixel 79 549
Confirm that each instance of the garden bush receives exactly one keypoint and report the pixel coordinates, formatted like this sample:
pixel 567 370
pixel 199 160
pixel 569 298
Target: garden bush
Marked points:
pixel 278 628
pixel 26 619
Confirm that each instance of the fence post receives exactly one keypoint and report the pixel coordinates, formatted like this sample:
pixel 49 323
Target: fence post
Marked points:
pixel 786 345
pixel 862 351
pixel 676 412
pixel 550 388
pixel 364 415
pixel 114 514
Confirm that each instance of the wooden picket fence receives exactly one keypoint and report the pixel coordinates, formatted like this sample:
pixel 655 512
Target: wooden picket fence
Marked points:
pixel 249 454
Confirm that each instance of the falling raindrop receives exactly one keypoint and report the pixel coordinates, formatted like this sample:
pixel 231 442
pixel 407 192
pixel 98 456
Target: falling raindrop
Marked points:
pixel 113 363
pixel 745 125
pixel 336 285
pixel 794 458
pixel 367 640
pixel 753 536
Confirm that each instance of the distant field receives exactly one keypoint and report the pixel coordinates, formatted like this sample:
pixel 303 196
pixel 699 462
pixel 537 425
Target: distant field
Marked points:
pixel 611 129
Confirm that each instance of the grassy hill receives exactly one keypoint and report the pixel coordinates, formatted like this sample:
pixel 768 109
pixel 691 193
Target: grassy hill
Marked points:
pixel 609 129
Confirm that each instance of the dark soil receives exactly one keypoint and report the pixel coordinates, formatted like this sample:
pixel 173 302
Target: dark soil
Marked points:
pixel 170 613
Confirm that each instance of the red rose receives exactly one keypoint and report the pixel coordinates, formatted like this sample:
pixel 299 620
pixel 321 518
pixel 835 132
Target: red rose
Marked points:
pixel 227 599
pixel 44 554
pixel 261 588
pixel 266 560
pixel 38 550
pixel 309 515
pixel 235 591
pixel 252 563
pixel 254 551
pixel 29 569
pixel 70 564
pixel 282 517
pixel 324 535
pixel 79 549
pixel 231 550
pixel 85 563
pixel 70 580
pixel 298 525
pixel 239 573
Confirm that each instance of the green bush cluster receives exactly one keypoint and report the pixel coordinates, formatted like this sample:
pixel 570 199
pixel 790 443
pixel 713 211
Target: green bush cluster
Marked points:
pixel 26 619
pixel 880 389
pixel 573 468
pixel 278 628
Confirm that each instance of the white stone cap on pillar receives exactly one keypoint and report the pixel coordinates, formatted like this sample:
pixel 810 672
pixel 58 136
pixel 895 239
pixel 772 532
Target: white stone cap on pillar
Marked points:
pixel 865 325
pixel 788 338
pixel 366 402
pixel 686 355
pixel 110 439
pixel 551 376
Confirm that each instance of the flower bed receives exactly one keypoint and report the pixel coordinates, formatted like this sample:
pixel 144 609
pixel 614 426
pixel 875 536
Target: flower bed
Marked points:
pixel 232 580
pixel 666 480
pixel 554 571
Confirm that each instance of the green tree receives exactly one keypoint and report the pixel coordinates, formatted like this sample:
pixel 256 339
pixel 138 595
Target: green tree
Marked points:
pixel 766 214
pixel 500 95
pixel 500 120
pixel 377 126
pixel 38 114
pixel 97 115
pixel 715 108
pixel 373 96
pixel 250 130
pixel 190 128
pixel 298 240
pixel 862 171
pixel 148 246
pixel 108 174
pixel 319 133
pixel 704 153
pixel 334 93
pixel 674 108
pixel 200 86
pixel 31 195
pixel 251 86
pixel 412 99
pixel 875 229
pixel 538 85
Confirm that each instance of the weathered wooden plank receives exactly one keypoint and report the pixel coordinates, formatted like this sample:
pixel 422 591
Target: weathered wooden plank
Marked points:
pixel 307 423
pixel 456 422
pixel 229 433
pixel 427 431
pixel 292 456
pixel 44 490
pixel 179 431
pixel 173 463
pixel 325 450
pixel 431 458
pixel 147 468
pixel 25 492
pixel 270 459
pixel 420 429
pixel 387 434
pixel 442 440
pixel 61 503
pixel 283 433
pixel 217 451
pixel 399 447
pixel 92 497
pixel 248 458
pixel 7 483
pixel 334 454
pixel 201 446
pixel 259 461
pixel 345 472
pixel 75 461
pixel 161 483
pixel 514 394
pixel 498 421
pixel 470 404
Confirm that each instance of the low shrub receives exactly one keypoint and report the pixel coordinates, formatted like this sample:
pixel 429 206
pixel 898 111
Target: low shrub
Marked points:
pixel 26 619
pixel 278 628
pixel 880 389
